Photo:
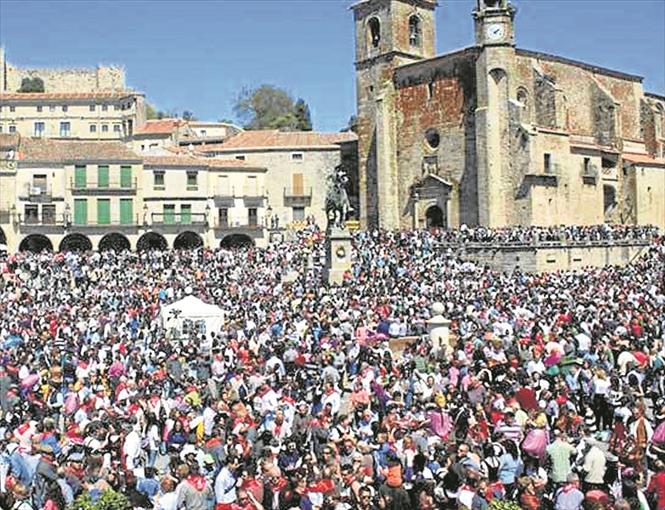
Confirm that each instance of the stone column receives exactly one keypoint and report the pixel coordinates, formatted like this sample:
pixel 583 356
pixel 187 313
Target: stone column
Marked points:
pixel 438 328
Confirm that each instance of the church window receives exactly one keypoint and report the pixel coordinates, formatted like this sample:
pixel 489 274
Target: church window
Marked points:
pixel 432 137
pixel 414 31
pixel 547 163
pixel 374 32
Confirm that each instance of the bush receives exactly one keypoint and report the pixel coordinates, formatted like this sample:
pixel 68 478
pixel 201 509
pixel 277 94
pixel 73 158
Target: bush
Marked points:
pixel 32 85
pixel 109 500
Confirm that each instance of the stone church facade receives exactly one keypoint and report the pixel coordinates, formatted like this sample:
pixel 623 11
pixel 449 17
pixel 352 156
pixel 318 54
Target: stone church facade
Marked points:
pixel 495 135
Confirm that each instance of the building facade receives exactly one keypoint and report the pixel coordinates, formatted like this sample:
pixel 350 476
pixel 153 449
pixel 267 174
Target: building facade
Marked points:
pixel 108 115
pixel 72 194
pixel 298 165
pixel 495 135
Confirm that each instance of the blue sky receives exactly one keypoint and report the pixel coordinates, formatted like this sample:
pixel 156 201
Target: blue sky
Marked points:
pixel 197 55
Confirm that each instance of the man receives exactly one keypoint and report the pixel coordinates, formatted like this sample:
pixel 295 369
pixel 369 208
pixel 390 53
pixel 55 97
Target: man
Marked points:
pixel 560 452
pixel 569 497
pixel 594 465
pixel 225 483
pixel 193 490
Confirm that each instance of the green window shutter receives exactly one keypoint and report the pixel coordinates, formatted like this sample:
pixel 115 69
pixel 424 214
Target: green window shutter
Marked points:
pixel 185 214
pixel 126 211
pixel 103 211
pixel 102 176
pixel 169 214
pixel 80 211
pixel 125 176
pixel 79 176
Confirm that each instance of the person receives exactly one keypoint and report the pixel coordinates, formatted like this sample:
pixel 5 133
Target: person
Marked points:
pixel 560 453
pixel 510 468
pixel 193 490
pixel 656 488
pixel 569 496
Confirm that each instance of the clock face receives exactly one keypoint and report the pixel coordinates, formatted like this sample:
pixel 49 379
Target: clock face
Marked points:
pixel 495 32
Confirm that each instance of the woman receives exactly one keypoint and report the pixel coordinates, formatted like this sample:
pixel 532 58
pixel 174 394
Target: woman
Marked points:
pixel 601 409
pixel 510 467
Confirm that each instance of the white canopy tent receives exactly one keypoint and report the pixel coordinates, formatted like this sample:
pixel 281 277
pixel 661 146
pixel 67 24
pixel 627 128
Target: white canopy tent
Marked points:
pixel 190 313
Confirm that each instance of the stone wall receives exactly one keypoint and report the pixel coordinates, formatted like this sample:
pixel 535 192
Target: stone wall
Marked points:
pixel 438 95
pixel 62 80
pixel 551 258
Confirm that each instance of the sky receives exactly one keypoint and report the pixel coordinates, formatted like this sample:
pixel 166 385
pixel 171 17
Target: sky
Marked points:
pixel 198 55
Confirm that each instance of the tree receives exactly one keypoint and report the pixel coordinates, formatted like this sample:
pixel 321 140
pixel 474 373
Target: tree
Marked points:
pixel 35 84
pixel 187 115
pixel 303 116
pixel 151 112
pixel 269 107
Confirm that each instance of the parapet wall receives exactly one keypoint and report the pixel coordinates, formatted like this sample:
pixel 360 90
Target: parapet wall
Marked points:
pixel 62 80
pixel 550 257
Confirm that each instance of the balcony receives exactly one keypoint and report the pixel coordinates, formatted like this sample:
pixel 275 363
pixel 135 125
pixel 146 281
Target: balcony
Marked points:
pixel 108 188
pixel 547 177
pixel 177 222
pixel 251 198
pixel 590 174
pixel 222 229
pixel 297 197
pixel 36 193
pixel 59 223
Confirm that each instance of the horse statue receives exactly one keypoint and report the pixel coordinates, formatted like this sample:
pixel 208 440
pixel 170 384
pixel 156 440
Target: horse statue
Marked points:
pixel 338 205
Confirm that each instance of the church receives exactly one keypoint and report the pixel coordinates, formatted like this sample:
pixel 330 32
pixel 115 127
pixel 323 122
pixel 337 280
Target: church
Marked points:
pixel 496 135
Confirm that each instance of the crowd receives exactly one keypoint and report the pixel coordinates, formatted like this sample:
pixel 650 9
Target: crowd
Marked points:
pixel 535 234
pixel 549 394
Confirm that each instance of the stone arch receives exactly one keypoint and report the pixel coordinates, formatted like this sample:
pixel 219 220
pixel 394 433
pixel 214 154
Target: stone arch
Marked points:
pixel 75 242
pixel 522 97
pixel 114 241
pixel 435 217
pixel 237 241
pixel 373 32
pixel 36 243
pixel 187 241
pixel 415 31
pixel 151 241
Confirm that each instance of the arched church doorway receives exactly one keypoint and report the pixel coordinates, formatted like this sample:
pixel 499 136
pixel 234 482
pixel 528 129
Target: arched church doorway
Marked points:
pixel 434 217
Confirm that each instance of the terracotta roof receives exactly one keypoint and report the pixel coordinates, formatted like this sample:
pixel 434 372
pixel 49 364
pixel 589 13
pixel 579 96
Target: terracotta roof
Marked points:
pixel 643 159
pixel 190 161
pixel 44 96
pixel 274 138
pixel 159 127
pixel 63 151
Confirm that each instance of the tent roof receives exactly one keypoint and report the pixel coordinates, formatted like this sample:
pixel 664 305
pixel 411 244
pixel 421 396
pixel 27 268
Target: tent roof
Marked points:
pixel 193 307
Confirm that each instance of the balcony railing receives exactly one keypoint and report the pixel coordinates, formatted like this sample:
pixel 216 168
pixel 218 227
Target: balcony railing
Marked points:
pixel 36 193
pixel 106 188
pixel 67 220
pixel 178 219
pixel 297 197
pixel 589 174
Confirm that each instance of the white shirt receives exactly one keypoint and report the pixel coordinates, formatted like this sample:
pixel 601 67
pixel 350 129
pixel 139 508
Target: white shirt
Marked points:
pixel 225 490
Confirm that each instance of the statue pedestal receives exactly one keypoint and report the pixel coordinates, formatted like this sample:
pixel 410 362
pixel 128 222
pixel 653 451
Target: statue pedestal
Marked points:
pixel 338 255
pixel 438 328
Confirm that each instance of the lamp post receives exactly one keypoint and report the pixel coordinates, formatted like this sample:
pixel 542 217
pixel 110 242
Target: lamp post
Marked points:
pixel 269 217
pixel 416 198
pixel 14 215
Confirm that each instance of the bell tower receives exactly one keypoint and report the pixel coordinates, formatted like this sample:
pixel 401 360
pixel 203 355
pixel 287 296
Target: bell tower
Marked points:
pixel 495 71
pixel 389 33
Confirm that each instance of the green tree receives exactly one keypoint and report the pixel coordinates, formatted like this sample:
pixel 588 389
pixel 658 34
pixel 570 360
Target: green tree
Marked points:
pixel 35 84
pixel 269 107
pixel 151 112
pixel 187 115
pixel 303 116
